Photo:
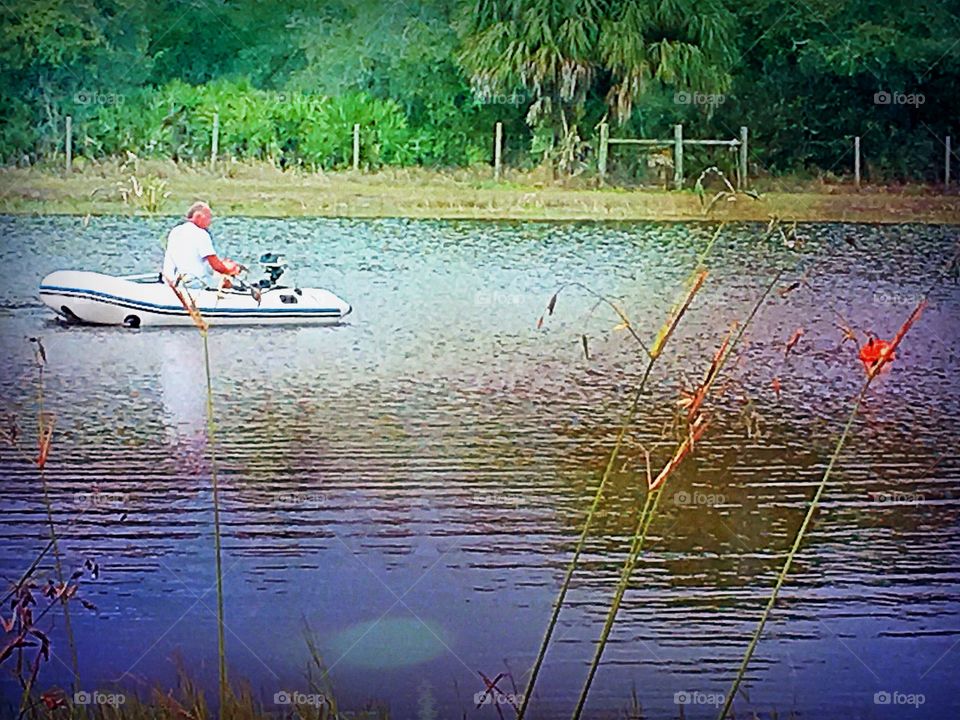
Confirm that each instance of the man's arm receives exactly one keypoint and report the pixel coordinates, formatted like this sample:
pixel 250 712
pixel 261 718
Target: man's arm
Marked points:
pixel 224 266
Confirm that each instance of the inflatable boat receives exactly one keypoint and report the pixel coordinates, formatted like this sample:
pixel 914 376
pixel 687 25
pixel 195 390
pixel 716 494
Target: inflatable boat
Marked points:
pixel 148 300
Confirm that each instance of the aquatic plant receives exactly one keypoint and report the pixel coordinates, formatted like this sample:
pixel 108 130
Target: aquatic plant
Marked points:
pixel 876 355
pixel 45 426
pixel 31 600
pixel 694 422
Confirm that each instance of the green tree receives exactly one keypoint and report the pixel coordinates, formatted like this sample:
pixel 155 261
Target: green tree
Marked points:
pixel 202 40
pixel 559 52
pixel 813 74
pixel 55 57
pixel 403 52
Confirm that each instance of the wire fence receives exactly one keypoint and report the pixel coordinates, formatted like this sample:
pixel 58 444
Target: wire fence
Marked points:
pixel 665 156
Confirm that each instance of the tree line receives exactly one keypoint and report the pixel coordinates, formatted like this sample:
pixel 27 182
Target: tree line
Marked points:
pixel 428 80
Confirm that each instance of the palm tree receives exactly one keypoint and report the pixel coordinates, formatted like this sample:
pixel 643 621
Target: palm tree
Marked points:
pixel 558 51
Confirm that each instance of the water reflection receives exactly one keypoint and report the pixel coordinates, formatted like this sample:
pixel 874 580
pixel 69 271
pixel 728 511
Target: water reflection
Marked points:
pixel 183 388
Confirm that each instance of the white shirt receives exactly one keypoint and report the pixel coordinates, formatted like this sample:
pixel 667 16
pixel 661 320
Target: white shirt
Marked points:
pixel 187 246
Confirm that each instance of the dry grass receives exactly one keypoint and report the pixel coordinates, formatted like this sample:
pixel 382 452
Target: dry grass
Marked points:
pixel 467 193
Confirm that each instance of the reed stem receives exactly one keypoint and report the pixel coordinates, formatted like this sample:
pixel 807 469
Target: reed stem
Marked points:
pixel 643 524
pixel 728 701
pixel 221 646
pixel 872 372
pixel 27 573
pixel 54 545
pixel 581 541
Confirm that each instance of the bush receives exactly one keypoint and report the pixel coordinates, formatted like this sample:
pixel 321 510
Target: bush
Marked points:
pixel 175 121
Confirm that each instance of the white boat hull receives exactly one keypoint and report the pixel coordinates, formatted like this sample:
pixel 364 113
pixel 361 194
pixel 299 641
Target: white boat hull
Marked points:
pixel 99 299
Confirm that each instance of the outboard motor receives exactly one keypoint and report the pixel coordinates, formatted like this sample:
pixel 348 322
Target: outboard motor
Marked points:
pixel 274 266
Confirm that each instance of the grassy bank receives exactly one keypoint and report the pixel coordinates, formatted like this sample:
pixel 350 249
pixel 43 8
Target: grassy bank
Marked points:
pixel 262 190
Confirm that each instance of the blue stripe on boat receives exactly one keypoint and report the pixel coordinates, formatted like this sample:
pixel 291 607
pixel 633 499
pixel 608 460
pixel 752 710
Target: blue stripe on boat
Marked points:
pixel 128 302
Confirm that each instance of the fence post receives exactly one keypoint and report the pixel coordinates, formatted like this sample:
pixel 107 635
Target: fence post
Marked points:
pixel 498 151
pixel 215 141
pixel 744 138
pixel 946 163
pixel 356 146
pixel 678 156
pixel 856 161
pixel 602 154
pixel 69 143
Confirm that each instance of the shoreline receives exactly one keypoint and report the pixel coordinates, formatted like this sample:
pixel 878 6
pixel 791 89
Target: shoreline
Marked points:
pixel 156 188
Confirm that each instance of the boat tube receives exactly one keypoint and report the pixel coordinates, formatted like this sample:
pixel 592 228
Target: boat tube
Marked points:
pixel 148 300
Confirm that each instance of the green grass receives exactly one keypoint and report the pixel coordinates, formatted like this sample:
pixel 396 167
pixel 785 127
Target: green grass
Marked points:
pixel 469 193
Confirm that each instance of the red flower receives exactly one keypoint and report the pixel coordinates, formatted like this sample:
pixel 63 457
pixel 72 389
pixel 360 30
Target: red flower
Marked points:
pixel 876 352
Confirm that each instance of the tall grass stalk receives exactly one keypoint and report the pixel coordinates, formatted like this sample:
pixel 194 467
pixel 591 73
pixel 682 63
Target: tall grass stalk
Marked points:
pixel 191 307
pixel 211 427
pixel 64 601
pixel 695 281
pixel 581 541
pixel 44 435
pixel 649 510
pixel 728 702
pixel 646 516
pixel 15 588
pixel 872 372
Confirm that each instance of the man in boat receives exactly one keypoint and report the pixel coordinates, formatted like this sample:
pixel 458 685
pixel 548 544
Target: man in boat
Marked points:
pixel 190 255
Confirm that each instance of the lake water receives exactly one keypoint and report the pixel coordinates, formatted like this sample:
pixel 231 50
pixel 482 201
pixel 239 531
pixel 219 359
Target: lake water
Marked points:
pixel 410 485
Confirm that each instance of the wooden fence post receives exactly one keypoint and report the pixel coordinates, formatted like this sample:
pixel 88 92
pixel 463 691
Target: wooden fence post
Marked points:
pixel 678 156
pixel 356 146
pixel 69 143
pixel 856 161
pixel 498 151
pixel 946 163
pixel 744 138
pixel 602 154
pixel 215 141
